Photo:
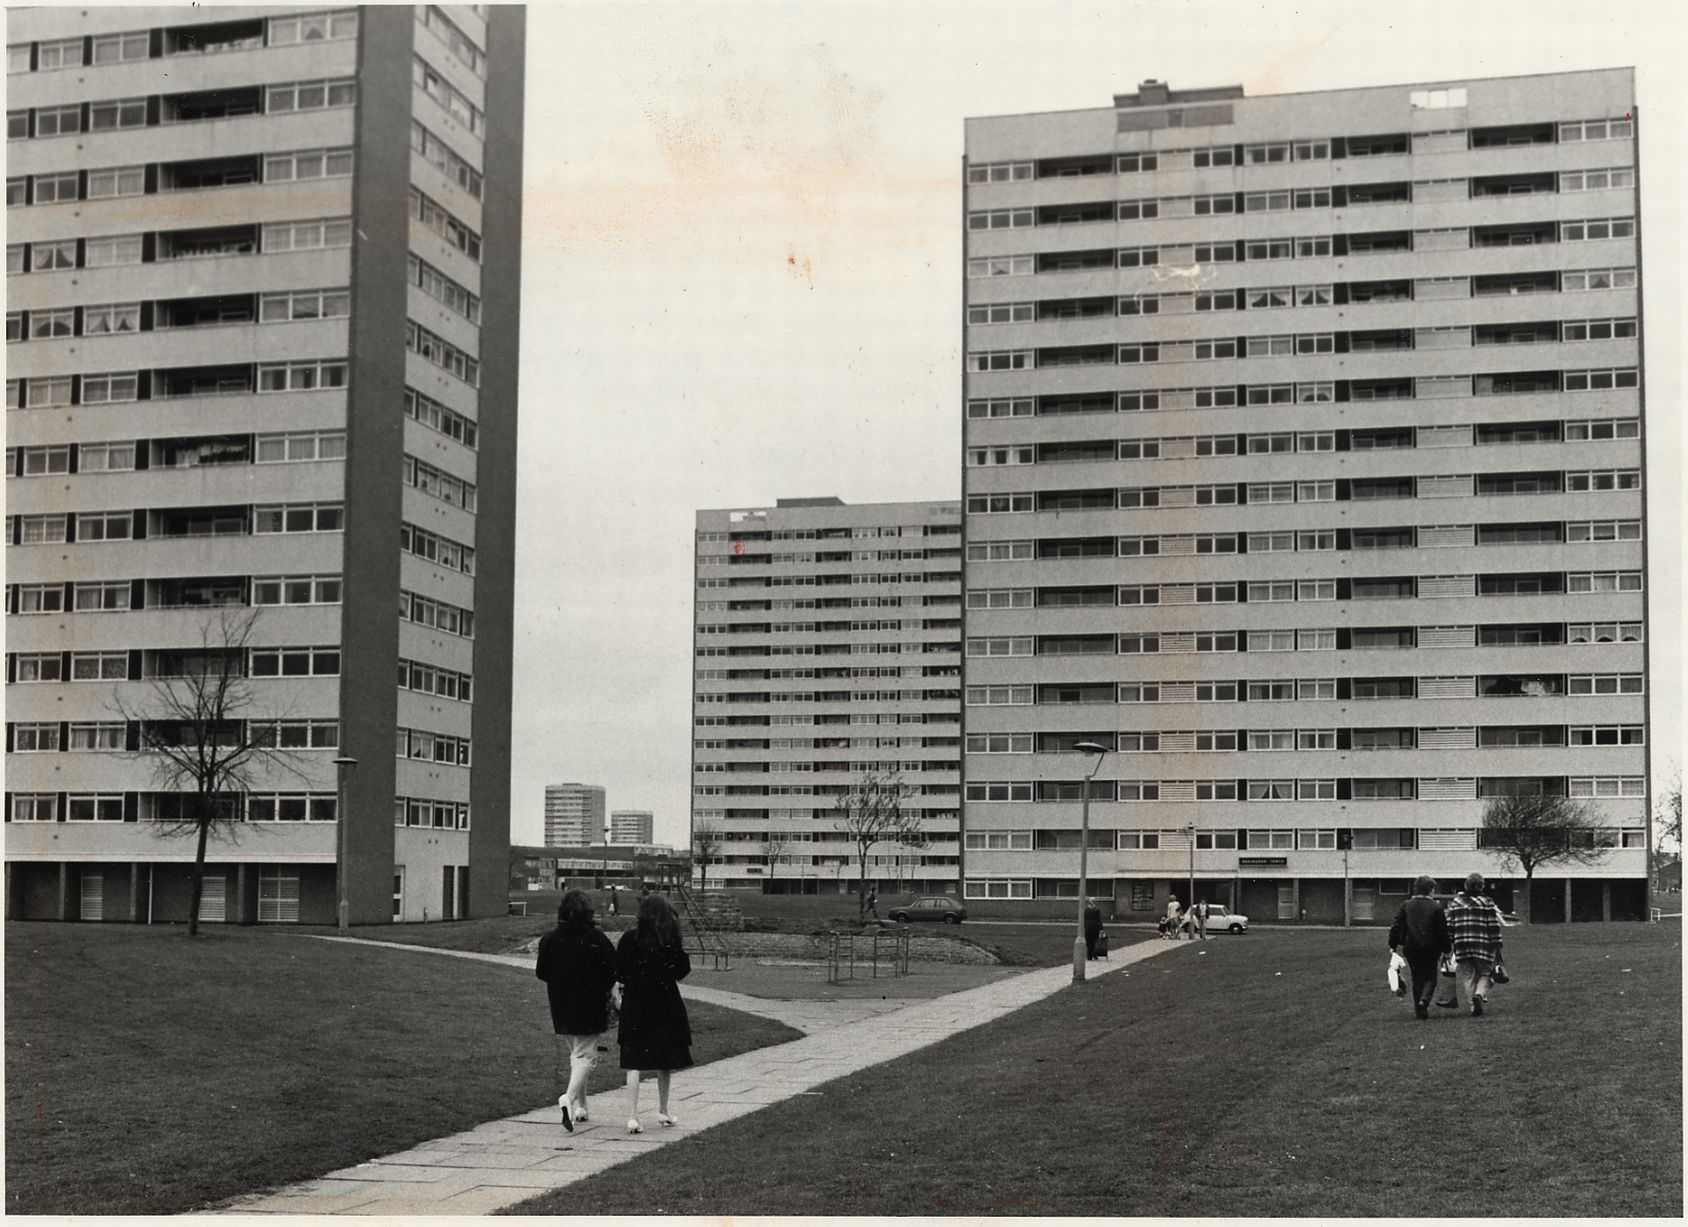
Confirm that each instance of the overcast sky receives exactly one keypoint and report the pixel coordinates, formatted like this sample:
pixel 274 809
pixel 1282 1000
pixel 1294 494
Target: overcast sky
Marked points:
pixel 742 282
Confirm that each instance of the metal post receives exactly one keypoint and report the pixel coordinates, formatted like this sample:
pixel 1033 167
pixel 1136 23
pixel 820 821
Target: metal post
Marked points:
pixel 342 843
pixel 1192 829
pixel 1347 893
pixel 1080 950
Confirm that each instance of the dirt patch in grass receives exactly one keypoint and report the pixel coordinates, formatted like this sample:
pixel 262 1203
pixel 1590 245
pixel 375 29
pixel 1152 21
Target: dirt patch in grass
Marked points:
pixel 150 1074
pixel 1270 1075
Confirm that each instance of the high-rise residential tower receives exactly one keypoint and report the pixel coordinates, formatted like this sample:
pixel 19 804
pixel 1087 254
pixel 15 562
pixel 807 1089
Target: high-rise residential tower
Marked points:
pixel 1303 467
pixel 827 644
pixel 574 815
pixel 262 312
pixel 632 826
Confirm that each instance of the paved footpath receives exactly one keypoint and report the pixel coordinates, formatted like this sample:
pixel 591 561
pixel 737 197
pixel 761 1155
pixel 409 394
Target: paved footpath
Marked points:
pixel 502 1162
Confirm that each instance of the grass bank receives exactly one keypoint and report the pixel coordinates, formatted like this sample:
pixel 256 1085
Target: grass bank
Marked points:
pixel 1267 1075
pixel 150 1074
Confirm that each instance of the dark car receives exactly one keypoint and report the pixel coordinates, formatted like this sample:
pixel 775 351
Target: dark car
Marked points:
pixel 930 907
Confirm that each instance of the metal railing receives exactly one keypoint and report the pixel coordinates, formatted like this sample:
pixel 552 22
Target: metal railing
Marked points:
pixel 886 952
pixel 710 944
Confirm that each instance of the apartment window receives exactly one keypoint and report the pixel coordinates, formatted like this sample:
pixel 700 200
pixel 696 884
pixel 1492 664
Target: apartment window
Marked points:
pixel 1609 735
pixel 296 590
pixel 298 518
pixel 1279 590
pixel 313 27
pixel 1271 394
pixel 1000 551
pixel 1000 790
pixel 1607 786
pixel 447 618
pixel 445 159
pixel 117 113
pixel 1219 641
pixel 1596 180
pixel 323 374
pixel 104 526
pixel 14 258
pixel 1613 479
pixel 48 392
pixel 49 56
pixel 1267 202
pixel 46 324
pixel 1597 279
pixel 437 417
pixel 1270 249
pixel 105 252
pixel 300 445
pixel 999 743
pixel 1218 155
pixel 35 807
pixel 304 305
pixel 999 696
pixel 1225 347
pixel 1002 313
pixel 111 318
pixel 1604 683
pixel 35 738
pixel 1000 360
pixel 58 121
pixel 1270 790
pixel 106 457
pixel 988 457
pixel 307 235
pixel 307 164
pixel 1213 253
pixel 1436 99
pixel 110 387
pixel 440 484
pixel 1002 646
pixel 1260 155
pixel 295 662
pixel 1209 206
pixel 1603 581
pixel 1603 632
pixel 101 597
pixel 1315 492
pixel 49 189
pixel 310 95
pixel 1317 790
pixel 1597 129
pixel 1001 266
pixel 1018 408
pixel 1268 298
pixel 1216 300
pixel 1603 530
pixel 99 666
pixel 1271 492
pixel 120 48
pixel 1004 172
pixel 1266 740
pixel 40 598
pixel 1597 228
pixel 17 191
pixel 42 529
pixel 1000 219
pixel 448 96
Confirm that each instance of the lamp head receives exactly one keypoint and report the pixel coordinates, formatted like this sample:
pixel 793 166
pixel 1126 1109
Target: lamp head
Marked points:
pixel 1090 747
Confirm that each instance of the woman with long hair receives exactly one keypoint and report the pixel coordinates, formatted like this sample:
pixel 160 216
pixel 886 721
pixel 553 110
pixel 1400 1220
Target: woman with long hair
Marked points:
pixel 655 1033
pixel 577 963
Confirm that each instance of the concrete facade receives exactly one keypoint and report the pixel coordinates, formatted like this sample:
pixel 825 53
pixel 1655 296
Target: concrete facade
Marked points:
pixel 827 645
pixel 632 826
pixel 574 814
pixel 227 227
pixel 1302 470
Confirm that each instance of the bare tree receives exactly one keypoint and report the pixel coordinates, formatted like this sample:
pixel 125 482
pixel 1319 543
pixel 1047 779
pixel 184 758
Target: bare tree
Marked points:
pixel 1667 811
pixel 199 730
pixel 1532 832
pixel 706 847
pixel 873 813
pixel 773 847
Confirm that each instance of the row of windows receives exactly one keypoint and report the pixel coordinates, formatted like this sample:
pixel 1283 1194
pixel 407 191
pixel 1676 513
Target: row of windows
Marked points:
pixel 436 416
pixel 452 555
pixel 442 353
pixel 1286 740
pixel 112 387
pixel 453 100
pixel 103 49
pixel 438 815
pixel 1312 150
pixel 1355 788
pixel 192 592
pixel 112 807
pixel 433 747
pixel 106 319
pixel 438 286
pixel 89 526
pixel 445 159
pixel 440 484
pixel 442 222
pixel 435 680
pixel 123 456
pixel 115 114
pixel 117 735
pixel 1282 200
pixel 56 255
pixel 462 47
pixel 120 666
pixel 446 618
pixel 112 181
pixel 1309 689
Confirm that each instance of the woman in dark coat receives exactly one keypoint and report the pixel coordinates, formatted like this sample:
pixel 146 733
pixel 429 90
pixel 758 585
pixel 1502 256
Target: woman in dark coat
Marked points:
pixel 655 1032
pixel 577 963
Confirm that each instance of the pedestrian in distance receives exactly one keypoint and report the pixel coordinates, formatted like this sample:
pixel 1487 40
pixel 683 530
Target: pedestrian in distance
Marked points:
pixel 1174 918
pixel 872 907
pixel 1474 924
pixel 615 905
pixel 655 1033
pixel 578 965
pixel 1201 919
pixel 1092 929
pixel 1419 934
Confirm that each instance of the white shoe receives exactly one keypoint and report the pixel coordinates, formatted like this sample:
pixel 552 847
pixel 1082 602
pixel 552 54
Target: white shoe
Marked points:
pixel 665 1119
pixel 633 1125
pixel 580 1117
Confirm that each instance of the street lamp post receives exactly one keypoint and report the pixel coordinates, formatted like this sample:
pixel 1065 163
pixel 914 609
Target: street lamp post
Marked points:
pixel 1080 950
pixel 1191 828
pixel 342 767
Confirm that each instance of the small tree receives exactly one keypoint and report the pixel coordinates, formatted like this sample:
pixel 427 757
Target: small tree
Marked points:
pixel 198 730
pixel 706 846
pixel 873 813
pixel 1532 832
pixel 1667 812
pixel 773 847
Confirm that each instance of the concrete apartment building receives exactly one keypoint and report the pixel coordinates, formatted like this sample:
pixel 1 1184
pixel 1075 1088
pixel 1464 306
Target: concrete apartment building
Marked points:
pixel 225 228
pixel 632 826
pixel 827 645
pixel 574 815
pixel 1303 472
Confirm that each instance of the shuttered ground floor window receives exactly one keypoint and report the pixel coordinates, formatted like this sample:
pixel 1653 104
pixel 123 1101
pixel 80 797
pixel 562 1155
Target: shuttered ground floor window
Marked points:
pixel 278 895
pixel 214 898
pixel 93 896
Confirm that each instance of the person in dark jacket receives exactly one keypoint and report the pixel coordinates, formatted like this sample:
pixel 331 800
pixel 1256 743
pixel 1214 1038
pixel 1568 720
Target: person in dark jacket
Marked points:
pixel 1092 928
pixel 655 1033
pixel 577 963
pixel 1420 935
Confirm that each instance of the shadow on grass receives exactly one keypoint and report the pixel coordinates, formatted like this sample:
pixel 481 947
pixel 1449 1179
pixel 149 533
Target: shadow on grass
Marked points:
pixel 147 1073
pixel 1271 1075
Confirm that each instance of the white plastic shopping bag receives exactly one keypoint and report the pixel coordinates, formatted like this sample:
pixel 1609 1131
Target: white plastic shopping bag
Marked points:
pixel 1397 974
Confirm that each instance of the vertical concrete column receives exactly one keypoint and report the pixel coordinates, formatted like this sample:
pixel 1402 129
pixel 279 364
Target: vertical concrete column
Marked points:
pixel 1605 901
pixel 1567 900
pixel 11 894
pixel 135 893
pixel 240 888
pixel 64 891
pixel 1295 898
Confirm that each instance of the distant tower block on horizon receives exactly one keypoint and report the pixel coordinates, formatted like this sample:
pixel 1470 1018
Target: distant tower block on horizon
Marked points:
pixel 632 826
pixel 574 815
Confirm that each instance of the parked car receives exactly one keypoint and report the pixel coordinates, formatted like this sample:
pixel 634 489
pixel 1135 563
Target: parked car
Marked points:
pixel 930 907
pixel 1221 917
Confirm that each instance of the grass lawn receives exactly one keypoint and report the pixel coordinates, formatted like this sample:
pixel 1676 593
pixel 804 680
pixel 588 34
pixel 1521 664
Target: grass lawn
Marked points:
pixel 150 1074
pixel 1267 1075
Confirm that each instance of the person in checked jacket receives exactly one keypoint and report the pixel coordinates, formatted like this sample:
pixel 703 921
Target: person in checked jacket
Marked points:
pixel 1474 925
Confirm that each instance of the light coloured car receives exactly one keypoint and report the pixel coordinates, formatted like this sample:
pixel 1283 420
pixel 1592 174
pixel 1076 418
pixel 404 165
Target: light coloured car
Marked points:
pixel 1221 919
